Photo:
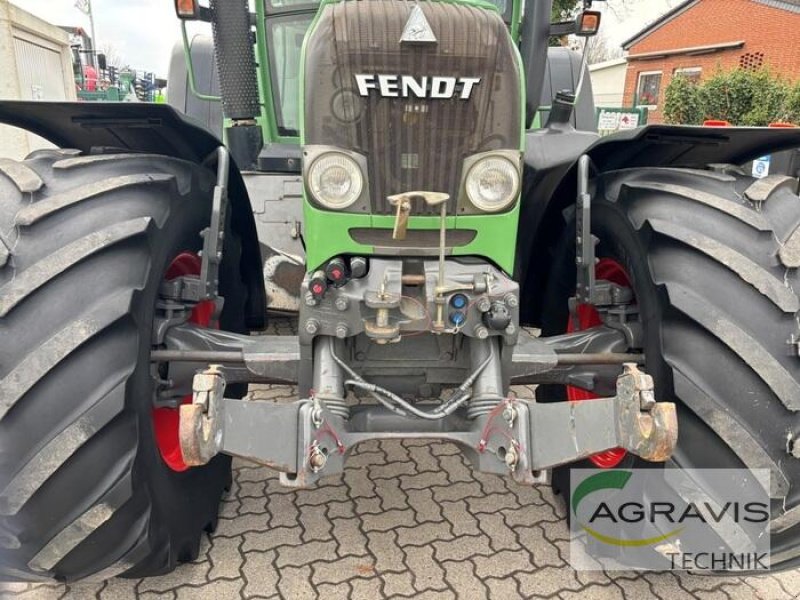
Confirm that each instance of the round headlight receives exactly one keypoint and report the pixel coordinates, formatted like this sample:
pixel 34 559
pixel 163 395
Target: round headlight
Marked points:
pixel 492 183
pixel 335 180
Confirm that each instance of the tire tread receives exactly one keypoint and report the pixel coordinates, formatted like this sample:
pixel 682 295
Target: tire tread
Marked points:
pixel 26 179
pixel 110 522
pixel 59 449
pixel 39 210
pixel 31 369
pixel 717 202
pixel 44 270
pixel 728 313
pixel 751 272
pixel 761 189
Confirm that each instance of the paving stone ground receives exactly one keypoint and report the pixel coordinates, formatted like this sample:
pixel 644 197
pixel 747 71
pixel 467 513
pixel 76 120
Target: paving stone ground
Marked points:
pixel 406 519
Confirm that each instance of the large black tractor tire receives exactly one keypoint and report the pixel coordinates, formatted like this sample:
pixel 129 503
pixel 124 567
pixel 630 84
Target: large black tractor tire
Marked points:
pixel 713 260
pixel 84 245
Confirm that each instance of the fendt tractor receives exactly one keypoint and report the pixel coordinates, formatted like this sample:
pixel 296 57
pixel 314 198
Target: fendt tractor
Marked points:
pixel 442 212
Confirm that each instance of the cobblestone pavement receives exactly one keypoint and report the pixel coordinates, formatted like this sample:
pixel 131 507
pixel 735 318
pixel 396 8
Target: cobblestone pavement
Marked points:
pixel 406 519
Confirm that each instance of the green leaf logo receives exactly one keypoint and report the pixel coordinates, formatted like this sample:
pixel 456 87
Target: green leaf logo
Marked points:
pixel 610 480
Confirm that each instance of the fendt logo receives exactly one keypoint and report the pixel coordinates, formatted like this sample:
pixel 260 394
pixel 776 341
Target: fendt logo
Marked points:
pixel 406 86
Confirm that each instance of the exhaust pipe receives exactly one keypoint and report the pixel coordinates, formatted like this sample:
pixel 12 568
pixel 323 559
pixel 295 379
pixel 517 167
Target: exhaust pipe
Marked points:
pixel 535 37
pixel 238 80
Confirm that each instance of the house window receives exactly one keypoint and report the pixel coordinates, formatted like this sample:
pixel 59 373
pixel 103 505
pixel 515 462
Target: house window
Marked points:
pixel 649 89
pixel 693 74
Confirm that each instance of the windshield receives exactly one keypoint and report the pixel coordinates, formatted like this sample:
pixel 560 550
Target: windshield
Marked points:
pixel 285 35
pixel 273 5
pixel 286 24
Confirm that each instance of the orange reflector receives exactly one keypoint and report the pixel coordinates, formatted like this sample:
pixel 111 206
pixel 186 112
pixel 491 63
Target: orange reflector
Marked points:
pixel 716 123
pixel 588 23
pixel 187 9
pixel 783 125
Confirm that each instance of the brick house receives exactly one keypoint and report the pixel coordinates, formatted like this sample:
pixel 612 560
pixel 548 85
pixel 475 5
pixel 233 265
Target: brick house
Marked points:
pixel 699 36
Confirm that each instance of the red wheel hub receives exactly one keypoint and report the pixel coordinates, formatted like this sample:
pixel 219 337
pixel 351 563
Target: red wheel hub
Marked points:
pixel 588 317
pixel 166 420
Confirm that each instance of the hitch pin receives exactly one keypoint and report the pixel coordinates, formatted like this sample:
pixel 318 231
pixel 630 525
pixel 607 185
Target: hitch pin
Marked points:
pixel 402 202
pixel 403 206
pixel 440 200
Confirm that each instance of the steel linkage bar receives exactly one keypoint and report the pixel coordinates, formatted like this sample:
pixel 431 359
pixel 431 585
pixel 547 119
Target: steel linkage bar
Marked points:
pixel 306 441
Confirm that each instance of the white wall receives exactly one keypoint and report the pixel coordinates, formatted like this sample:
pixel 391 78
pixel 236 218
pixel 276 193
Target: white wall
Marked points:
pixel 36 64
pixel 608 82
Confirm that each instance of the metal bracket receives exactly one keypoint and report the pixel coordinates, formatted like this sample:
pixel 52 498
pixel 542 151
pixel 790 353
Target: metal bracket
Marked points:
pixel 182 289
pixel 606 294
pixel 277 358
pixel 201 430
pixel 610 299
pixel 632 420
pixel 647 428
pixel 192 289
pixel 497 442
pixel 624 318
pixel 306 441
pixel 214 234
pixel 584 241
pixel 171 315
pixel 244 359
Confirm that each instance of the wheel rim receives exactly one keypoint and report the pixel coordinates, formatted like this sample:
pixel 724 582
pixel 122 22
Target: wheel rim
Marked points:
pixel 166 421
pixel 588 317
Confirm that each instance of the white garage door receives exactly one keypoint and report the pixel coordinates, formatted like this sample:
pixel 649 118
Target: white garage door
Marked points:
pixel 41 75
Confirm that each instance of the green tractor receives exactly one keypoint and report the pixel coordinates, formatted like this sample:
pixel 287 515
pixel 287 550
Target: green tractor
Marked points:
pixel 430 213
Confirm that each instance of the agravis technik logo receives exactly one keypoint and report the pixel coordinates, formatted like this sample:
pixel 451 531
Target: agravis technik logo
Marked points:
pixel 713 519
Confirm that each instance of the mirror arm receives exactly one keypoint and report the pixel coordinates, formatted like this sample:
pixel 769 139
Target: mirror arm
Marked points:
pixel 563 28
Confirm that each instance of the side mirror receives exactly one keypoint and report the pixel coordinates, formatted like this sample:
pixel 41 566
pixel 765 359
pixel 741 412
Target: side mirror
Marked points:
pixel 101 62
pixel 187 9
pixel 190 10
pixel 588 23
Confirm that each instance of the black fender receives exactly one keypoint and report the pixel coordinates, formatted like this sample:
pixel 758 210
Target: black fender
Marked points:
pixel 549 182
pixel 153 129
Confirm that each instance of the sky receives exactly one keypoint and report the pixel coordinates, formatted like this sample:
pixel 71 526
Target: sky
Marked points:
pixel 144 32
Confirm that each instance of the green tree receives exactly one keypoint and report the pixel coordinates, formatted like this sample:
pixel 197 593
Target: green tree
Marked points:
pixel 727 95
pixel 792 106
pixel 768 99
pixel 564 9
pixel 682 102
pixel 740 96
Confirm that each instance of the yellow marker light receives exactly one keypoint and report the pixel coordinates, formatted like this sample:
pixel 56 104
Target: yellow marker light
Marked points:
pixel 187 9
pixel 588 23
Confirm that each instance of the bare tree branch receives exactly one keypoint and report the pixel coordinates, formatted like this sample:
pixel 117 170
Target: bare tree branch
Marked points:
pixel 114 57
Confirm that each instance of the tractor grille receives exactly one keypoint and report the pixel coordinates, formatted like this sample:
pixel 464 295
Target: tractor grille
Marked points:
pixel 411 143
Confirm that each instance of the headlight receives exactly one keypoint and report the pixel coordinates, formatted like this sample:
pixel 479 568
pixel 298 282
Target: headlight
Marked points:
pixel 335 180
pixel 492 183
